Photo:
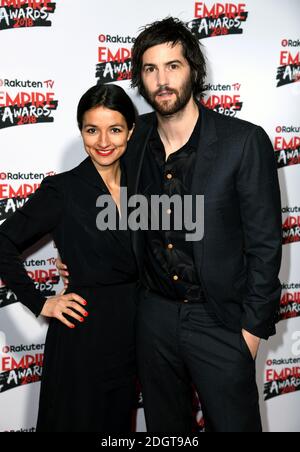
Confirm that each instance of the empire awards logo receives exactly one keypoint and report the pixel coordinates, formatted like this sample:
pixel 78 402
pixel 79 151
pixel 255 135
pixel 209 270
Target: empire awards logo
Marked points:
pixel 218 19
pixel 25 13
pixel 286 380
pixel 20 365
pixel 289 63
pixel 114 58
pixel 26 102
pixel 287 146
pixel 290 301
pixel 224 99
pixel 291 225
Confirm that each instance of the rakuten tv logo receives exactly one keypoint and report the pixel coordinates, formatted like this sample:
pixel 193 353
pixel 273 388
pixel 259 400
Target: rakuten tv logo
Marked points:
pixel 289 63
pixel 25 13
pixel 23 107
pixel 291 225
pixel 287 146
pixel 224 99
pixel 114 63
pixel 218 19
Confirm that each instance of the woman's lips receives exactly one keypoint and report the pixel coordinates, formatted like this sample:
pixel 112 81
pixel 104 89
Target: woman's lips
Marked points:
pixel 105 153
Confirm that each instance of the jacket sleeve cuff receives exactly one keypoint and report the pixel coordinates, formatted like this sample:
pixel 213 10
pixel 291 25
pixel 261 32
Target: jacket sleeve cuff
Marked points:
pixel 263 331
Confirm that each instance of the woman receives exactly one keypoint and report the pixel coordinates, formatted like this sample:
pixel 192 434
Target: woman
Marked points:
pixel 88 382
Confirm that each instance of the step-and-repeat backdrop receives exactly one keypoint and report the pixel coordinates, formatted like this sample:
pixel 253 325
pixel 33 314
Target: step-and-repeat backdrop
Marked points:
pixel 50 53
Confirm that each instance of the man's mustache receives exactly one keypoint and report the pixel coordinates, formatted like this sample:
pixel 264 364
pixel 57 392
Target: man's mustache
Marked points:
pixel 163 89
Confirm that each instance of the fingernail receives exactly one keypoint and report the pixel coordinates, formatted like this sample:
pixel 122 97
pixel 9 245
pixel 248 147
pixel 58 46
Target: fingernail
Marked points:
pixel 85 303
pixel 81 319
pixel 73 326
pixel 86 314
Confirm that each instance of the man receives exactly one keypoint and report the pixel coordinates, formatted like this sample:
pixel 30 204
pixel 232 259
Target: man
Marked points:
pixel 204 305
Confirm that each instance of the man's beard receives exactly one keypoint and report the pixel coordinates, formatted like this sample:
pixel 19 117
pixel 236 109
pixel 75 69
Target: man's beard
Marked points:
pixel 169 108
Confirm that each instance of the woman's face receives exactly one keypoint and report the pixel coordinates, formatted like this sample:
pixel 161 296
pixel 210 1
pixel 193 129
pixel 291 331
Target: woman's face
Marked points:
pixel 105 135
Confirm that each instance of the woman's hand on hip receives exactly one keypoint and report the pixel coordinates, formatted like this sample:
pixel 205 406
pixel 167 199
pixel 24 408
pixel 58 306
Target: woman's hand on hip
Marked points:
pixel 70 304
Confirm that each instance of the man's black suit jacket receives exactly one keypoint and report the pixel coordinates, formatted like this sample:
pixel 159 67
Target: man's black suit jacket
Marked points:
pixel 239 258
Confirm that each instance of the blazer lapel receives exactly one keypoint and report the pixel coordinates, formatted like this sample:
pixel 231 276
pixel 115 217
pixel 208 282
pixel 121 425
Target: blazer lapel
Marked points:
pixel 87 171
pixel 206 156
pixel 133 161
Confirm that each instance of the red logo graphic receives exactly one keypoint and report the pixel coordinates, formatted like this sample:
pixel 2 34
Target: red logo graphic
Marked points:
pixel 289 64
pixel 290 305
pixel 281 382
pixel 226 104
pixel 25 13
pixel 218 19
pixel 287 146
pixel 113 64
pixel 27 107
pixel 291 230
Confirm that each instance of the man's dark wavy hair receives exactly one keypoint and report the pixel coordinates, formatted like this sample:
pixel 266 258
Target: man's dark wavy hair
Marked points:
pixel 169 30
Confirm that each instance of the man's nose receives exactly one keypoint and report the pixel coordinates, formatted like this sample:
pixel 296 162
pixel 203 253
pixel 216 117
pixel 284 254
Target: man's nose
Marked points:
pixel 162 78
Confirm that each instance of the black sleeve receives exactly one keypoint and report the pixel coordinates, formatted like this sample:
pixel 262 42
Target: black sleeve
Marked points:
pixel 39 216
pixel 260 206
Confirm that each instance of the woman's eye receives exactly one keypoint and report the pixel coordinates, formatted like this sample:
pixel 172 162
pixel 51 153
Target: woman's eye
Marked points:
pixel 91 131
pixel 116 130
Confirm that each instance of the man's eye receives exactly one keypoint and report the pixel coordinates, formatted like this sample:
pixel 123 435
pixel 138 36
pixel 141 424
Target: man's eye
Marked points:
pixel 149 69
pixel 174 66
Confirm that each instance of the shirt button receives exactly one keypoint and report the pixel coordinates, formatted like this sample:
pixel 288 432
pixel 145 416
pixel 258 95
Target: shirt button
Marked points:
pixel 175 278
pixel 169 211
pixel 185 301
pixel 169 176
pixel 170 246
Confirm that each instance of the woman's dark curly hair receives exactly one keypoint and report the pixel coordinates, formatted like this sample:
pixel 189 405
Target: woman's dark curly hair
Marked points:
pixel 169 30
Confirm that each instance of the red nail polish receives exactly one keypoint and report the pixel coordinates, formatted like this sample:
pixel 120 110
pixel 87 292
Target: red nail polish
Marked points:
pixel 73 326
pixel 86 314
pixel 81 319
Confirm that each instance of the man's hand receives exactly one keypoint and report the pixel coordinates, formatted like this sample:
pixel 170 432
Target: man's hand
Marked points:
pixel 63 271
pixel 253 342
pixel 70 304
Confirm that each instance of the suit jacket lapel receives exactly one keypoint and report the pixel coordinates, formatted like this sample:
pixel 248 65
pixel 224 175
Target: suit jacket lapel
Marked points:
pixel 133 161
pixel 206 155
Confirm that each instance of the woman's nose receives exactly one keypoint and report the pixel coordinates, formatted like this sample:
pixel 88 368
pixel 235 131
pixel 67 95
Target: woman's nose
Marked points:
pixel 103 141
